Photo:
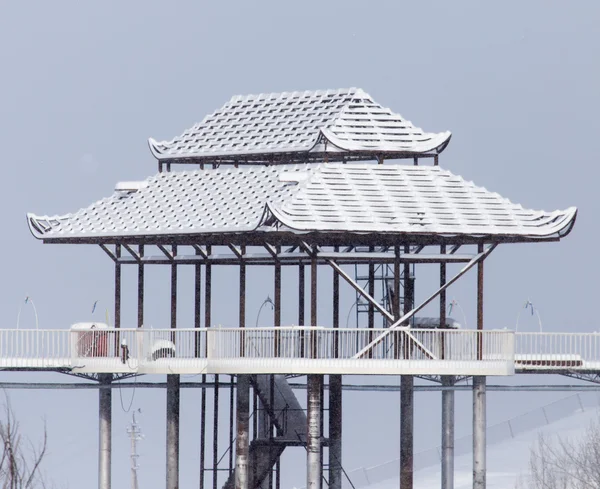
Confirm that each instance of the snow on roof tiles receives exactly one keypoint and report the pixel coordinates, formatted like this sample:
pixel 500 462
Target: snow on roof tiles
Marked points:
pixel 325 198
pixel 297 126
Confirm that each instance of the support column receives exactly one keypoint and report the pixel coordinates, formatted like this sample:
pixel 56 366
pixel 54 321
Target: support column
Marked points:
pixel 117 292
pixel 406 399
pixel 105 432
pixel 314 399
pixel 479 429
pixel 207 322
pixel 313 443
pixel 335 432
pixel 173 397
pixel 335 399
pixel 479 403
pixel 301 305
pixel 140 318
pixel 447 396
pixel 447 433
pixel 242 442
pixel 172 431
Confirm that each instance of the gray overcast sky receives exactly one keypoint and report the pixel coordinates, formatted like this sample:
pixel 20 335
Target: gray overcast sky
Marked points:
pixel 84 86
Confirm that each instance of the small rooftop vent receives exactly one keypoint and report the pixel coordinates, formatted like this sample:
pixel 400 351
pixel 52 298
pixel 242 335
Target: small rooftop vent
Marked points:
pixel 130 187
pixel 293 177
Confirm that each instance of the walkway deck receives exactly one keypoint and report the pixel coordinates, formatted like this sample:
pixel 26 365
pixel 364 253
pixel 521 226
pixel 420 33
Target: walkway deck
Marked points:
pixel 299 350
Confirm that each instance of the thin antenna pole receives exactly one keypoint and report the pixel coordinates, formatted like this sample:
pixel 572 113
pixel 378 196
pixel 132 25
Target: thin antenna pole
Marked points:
pixel 135 435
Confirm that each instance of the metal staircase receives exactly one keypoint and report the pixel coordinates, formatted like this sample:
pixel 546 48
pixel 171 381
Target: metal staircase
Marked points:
pixel 280 412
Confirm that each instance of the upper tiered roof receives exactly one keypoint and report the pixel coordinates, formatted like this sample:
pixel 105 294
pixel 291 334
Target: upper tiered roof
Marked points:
pixel 288 127
pixel 411 203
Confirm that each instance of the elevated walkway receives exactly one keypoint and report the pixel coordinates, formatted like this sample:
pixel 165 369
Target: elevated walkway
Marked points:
pixel 299 350
pixel 283 350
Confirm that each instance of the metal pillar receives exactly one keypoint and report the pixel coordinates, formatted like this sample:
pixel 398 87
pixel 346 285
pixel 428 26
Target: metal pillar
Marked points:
pixel 335 400
pixel 173 398
pixel 242 442
pixel 313 443
pixel 406 399
pixel 172 431
pixel 447 397
pixel 314 398
pixel 447 433
pixel 215 453
pixel 479 407
pixel 117 289
pixel 105 433
pixel 207 321
pixel 140 321
pixel 479 420
pixel 335 432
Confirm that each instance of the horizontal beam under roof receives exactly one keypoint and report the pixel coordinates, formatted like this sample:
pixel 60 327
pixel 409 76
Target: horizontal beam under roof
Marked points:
pixel 292 258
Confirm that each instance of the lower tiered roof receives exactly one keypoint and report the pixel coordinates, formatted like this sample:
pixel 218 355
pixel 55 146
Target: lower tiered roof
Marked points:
pixel 406 202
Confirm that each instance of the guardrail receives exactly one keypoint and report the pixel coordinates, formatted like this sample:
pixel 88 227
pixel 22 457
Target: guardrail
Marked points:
pixel 328 343
pixel 276 350
pixel 544 351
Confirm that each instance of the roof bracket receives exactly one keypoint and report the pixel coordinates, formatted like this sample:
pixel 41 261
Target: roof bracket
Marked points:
pixel 236 251
pixel 133 253
pixel 201 251
pixel 271 249
pixel 109 252
pixel 166 252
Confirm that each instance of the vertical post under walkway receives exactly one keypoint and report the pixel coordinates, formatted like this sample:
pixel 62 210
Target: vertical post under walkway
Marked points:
pixel 314 399
pixel 242 442
pixel 447 396
pixel 207 322
pixel 173 397
pixel 479 406
pixel 105 433
pixel 105 396
pixel 313 444
pixel 335 400
pixel 406 399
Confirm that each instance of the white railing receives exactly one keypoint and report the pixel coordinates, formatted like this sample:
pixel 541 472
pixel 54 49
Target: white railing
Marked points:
pixel 153 350
pixel 328 343
pixel 543 351
pixel 34 348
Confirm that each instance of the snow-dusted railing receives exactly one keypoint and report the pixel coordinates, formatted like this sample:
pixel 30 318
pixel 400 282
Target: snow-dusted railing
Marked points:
pixel 547 351
pixel 329 343
pixel 327 350
pixel 34 348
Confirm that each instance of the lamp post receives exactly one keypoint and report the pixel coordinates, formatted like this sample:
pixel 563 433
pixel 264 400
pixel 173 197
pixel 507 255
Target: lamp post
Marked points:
pixel 533 310
pixel 28 300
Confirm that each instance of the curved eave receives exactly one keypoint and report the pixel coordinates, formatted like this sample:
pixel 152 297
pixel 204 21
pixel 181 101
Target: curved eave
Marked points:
pixel 557 226
pixel 435 144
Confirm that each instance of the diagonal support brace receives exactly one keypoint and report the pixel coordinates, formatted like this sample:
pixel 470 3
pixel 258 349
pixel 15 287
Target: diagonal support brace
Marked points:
pixel 398 324
pixel 360 290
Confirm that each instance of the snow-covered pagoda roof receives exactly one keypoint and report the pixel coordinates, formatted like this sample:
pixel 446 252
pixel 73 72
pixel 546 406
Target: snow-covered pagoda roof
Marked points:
pixel 299 127
pixel 404 201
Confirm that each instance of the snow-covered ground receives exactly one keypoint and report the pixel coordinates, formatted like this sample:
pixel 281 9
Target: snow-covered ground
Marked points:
pixel 506 461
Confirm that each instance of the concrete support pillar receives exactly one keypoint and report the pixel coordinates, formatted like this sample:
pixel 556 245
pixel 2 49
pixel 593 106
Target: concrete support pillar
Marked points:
pixel 479 432
pixel 335 432
pixel 407 396
pixel 242 442
pixel 313 443
pixel 447 433
pixel 406 431
pixel 172 431
pixel 105 433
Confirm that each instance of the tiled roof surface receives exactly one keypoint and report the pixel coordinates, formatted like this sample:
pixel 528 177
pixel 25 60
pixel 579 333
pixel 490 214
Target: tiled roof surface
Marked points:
pixel 327 198
pixel 294 124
